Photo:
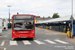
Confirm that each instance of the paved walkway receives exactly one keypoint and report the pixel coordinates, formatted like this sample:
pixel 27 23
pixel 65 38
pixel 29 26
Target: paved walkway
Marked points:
pixel 61 36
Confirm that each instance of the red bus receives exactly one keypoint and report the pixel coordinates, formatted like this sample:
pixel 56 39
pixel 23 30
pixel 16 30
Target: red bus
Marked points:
pixel 23 26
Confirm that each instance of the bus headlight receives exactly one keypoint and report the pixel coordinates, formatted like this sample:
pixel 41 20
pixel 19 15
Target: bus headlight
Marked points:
pixel 32 32
pixel 13 32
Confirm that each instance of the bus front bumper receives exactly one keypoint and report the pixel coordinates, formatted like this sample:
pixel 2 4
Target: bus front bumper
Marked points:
pixel 23 36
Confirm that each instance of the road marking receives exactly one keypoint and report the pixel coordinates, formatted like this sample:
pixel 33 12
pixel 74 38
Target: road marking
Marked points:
pixel 61 42
pixel 49 41
pixel 2 44
pixel 26 42
pixel 38 42
pixel 4 48
pixel 13 43
pixel 3 36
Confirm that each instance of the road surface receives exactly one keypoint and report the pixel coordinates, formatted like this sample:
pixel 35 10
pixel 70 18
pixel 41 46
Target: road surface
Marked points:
pixel 44 40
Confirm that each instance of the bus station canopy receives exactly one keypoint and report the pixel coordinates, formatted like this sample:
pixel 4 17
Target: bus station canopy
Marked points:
pixel 66 18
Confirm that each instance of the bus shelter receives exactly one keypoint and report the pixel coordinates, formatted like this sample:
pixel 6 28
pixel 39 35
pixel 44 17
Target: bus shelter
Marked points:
pixel 62 23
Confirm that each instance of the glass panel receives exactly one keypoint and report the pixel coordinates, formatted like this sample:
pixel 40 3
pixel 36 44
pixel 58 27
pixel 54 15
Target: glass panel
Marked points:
pixel 23 24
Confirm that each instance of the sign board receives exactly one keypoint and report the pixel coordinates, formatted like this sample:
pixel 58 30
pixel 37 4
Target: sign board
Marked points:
pixel 35 21
pixel 11 21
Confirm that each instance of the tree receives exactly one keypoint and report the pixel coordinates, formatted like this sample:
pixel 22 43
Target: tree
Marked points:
pixel 49 17
pixel 55 15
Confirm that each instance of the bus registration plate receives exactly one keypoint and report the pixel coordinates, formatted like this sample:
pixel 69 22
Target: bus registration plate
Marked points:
pixel 23 37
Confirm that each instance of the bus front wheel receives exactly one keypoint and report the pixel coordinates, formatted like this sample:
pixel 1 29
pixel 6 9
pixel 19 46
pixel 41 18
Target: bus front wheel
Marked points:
pixel 12 38
pixel 32 38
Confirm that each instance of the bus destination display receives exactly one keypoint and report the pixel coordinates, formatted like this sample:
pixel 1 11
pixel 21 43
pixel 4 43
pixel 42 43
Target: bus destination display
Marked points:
pixel 23 17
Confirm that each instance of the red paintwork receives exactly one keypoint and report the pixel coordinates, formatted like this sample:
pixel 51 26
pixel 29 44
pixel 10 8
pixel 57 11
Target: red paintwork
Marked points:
pixel 27 34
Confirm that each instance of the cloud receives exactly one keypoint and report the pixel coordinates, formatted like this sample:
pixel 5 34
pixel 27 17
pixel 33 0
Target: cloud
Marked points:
pixel 37 7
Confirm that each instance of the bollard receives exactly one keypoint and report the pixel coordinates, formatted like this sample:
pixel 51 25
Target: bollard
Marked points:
pixel 68 33
pixel 64 31
pixel 71 35
pixel 48 27
pixel 40 26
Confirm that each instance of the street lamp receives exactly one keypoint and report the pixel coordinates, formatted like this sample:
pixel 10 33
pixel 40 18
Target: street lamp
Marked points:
pixel 72 17
pixel 9 12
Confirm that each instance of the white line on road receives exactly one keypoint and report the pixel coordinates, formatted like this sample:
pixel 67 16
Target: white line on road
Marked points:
pixel 26 42
pixel 13 43
pixel 61 42
pixel 4 36
pixel 38 42
pixel 49 41
pixel 2 44
pixel 4 48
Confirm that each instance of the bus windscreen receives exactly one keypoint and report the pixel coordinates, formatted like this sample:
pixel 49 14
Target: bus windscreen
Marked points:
pixel 22 24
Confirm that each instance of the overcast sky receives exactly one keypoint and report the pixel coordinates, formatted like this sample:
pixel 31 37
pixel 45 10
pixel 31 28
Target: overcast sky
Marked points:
pixel 37 7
